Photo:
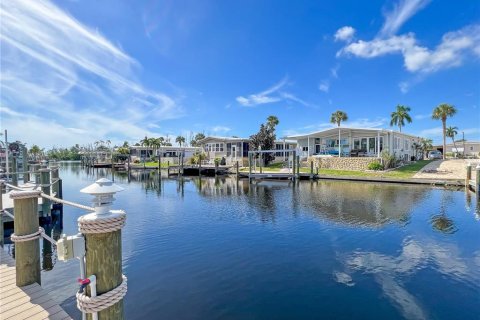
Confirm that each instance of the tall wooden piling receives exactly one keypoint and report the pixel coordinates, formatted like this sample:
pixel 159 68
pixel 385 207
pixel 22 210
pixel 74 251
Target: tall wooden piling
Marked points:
pixel 468 177
pixel 250 157
pixel 26 174
pixel 237 169
pixel 311 170
pixel 14 171
pixel 104 260
pixel 55 177
pixel 45 182
pixel 168 168
pixel 298 166
pixel 2 231
pixel 27 253
pixel 477 181
pixel 294 160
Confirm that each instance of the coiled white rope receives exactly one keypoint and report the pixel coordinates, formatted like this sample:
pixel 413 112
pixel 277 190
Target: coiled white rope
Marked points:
pixel 105 300
pixel 27 237
pixel 102 224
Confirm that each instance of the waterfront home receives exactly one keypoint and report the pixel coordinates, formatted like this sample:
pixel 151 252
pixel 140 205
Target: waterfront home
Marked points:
pixel 470 149
pixel 365 143
pixel 234 149
pixel 167 153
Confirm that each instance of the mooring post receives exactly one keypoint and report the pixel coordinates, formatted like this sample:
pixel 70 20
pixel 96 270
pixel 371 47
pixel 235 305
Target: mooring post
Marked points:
pixel 468 177
pixel 298 166
pixel 14 171
pixel 477 181
pixel 45 183
pixel 168 168
pixel 55 178
pixel 249 167
pixel 200 165
pixel 181 157
pixel 294 160
pixel 26 174
pixel 237 169
pixel 2 232
pixel 311 169
pixel 260 161
pixel 103 257
pixel 27 253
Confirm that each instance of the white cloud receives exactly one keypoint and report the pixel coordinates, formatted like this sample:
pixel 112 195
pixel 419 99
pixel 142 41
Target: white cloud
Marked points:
pixel 324 86
pixel 344 34
pixel 422 116
pixel 401 12
pixel 74 77
pixel 272 94
pixel 218 129
pixel 451 52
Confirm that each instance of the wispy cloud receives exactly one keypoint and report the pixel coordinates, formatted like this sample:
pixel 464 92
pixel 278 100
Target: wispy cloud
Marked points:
pixel 272 94
pixel 454 48
pixel 69 69
pixel 324 86
pixel 422 116
pixel 401 12
pixel 219 129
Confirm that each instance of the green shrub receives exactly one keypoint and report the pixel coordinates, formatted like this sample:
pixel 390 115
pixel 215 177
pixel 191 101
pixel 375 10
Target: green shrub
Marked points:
pixel 388 160
pixel 375 165
pixel 217 161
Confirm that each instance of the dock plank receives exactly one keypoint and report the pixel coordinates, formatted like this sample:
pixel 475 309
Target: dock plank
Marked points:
pixel 29 302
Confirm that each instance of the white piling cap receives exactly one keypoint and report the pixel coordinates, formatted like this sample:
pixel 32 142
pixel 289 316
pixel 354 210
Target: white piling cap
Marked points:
pixel 102 186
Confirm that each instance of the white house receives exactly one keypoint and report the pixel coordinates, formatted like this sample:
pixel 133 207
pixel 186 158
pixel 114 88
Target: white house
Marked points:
pixel 356 142
pixel 234 149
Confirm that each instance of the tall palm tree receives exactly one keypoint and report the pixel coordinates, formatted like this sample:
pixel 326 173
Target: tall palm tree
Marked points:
pixel 451 132
pixel 272 121
pixel 442 112
pixel 180 140
pixel 399 116
pixel 338 117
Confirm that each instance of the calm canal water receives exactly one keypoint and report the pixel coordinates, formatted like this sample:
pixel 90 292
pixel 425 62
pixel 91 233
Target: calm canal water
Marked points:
pixel 222 249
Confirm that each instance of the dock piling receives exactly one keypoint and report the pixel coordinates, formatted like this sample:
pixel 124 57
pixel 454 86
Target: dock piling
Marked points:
pixel 477 181
pixel 103 256
pixel 45 183
pixel 27 253
pixel 2 232
pixel 311 170
pixel 237 170
pixel 14 171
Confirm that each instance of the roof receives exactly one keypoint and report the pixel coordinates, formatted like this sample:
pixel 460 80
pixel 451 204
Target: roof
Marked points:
pixel 334 130
pixel 218 138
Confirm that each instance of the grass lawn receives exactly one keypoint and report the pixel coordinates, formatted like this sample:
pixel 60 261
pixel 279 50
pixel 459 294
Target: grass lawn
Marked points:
pixel 405 172
pixel 151 164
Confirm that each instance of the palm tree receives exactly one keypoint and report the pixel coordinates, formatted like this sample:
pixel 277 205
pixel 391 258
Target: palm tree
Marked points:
pixel 180 140
pixel 451 132
pixel 338 116
pixel 442 112
pixel 399 117
pixel 425 145
pixel 35 151
pixel 272 121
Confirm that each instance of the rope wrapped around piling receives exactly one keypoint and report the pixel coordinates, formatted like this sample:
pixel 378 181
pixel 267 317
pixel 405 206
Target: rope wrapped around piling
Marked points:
pixel 105 300
pixel 27 237
pixel 102 224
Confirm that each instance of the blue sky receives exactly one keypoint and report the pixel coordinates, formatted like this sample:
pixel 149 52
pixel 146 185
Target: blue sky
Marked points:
pixel 80 71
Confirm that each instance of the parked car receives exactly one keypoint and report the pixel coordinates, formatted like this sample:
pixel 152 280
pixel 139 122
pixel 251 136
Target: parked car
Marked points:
pixel 433 155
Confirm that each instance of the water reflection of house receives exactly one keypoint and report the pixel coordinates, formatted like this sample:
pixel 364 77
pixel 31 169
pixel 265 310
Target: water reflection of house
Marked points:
pixel 360 204
pixel 356 142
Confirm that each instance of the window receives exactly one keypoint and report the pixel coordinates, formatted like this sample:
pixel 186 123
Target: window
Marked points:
pixel 356 144
pixel 304 148
pixel 317 140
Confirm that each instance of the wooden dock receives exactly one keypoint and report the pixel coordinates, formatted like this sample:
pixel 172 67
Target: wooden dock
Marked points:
pixel 29 302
